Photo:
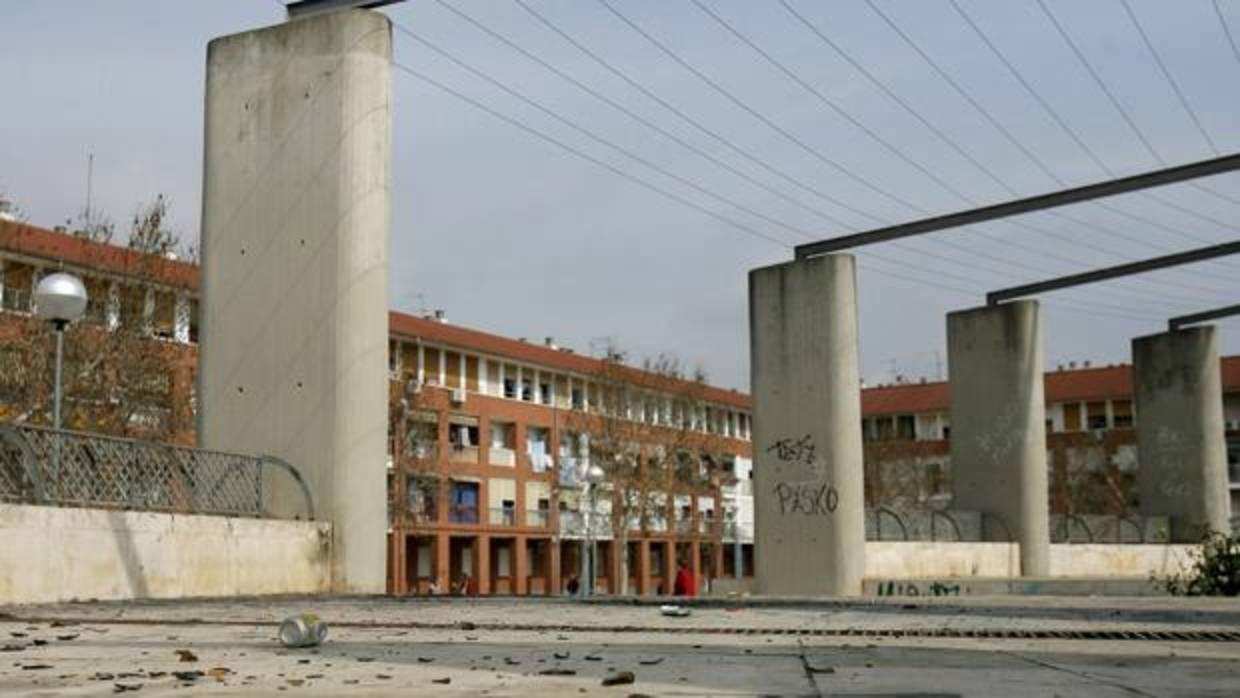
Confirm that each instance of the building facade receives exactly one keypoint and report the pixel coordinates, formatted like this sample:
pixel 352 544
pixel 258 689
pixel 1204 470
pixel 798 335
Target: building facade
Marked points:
pixel 491 438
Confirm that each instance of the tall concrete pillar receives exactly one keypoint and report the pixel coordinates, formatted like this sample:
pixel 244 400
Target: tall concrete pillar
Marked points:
pixel 295 271
pixel 1180 438
pixel 809 506
pixel 998 425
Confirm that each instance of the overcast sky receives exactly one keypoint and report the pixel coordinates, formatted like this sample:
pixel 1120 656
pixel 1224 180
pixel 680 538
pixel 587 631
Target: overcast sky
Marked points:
pixel 512 234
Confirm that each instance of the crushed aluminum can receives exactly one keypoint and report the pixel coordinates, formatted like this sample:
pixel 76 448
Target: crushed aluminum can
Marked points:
pixel 302 630
pixel 674 610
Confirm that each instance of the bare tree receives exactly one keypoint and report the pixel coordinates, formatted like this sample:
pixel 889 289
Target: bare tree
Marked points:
pixel 656 437
pixel 119 378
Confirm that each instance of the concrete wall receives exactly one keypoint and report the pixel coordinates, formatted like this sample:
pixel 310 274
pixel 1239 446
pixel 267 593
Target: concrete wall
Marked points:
pixel 1180 438
pixel 998 412
pixel 808 469
pixel 294 335
pixel 52 554
pixel 921 560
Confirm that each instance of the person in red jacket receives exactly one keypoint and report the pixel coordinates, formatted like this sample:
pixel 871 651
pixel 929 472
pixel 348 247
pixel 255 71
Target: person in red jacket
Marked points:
pixel 684 585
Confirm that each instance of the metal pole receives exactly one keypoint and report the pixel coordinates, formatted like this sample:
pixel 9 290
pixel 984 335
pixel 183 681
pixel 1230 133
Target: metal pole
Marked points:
pixel 738 558
pixel 583 576
pixel 56 394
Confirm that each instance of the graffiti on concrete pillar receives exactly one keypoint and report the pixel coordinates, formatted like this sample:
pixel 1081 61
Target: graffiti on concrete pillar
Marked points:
pixel 806 498
pixel 795 450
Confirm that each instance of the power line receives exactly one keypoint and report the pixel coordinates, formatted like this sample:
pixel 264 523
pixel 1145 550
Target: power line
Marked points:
pixel 1231 39
pixel 593 136
pixel 1175 86
pixel 586 156
pixel 1105 310
pixel 818 155
pixel 637 117
pixel 894 97
pixel 847 116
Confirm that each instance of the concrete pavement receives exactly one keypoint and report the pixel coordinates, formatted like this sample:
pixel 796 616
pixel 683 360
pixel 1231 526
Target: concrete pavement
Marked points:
pixel 497 647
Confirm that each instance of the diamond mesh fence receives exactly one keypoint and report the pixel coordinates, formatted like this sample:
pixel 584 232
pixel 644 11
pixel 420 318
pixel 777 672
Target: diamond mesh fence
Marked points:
pixel 45 466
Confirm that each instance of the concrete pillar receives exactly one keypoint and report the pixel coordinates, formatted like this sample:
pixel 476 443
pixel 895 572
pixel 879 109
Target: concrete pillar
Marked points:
pixel 669 565
pixel 644 586
pixel 295 269
pixel 554 583
pixel 695 565
pixel 809 506
pixel 998 418
pixel 520 566
pixel 482 564
pixel 443 562
pixel 1180 431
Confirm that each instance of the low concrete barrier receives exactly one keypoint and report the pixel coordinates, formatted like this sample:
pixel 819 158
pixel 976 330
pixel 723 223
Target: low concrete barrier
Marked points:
pixel 50 554
pixel 952 569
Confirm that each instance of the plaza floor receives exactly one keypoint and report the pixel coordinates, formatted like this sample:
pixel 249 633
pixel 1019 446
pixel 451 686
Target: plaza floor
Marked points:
pixel 1009 646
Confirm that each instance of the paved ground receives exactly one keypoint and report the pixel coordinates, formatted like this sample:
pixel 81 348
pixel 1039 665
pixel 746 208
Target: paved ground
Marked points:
pixel 496 647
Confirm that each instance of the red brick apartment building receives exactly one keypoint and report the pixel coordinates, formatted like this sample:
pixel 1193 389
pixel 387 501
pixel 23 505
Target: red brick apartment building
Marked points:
pixel 490 435
pixel 490 432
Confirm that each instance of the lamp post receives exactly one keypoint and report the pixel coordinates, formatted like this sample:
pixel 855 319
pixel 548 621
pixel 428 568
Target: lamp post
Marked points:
pixel 594 477
pixel 60 298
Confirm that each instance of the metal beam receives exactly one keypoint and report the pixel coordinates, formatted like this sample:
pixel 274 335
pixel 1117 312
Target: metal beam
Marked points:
pixel 1157 178
pixel 300 9
pixel 1176 323
pixel 1138 267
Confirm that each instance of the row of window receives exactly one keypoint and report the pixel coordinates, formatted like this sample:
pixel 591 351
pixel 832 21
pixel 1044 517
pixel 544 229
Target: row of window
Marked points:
pixel 1062 417
pixel 424 364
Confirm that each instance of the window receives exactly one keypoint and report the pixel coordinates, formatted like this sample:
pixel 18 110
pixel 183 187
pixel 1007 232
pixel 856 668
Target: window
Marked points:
pixel 538 448
pixel 464 503
pixel 1096 415
pixel 510 388
pixel 421 497
pixel 578 399
pixel 544 393
pixel 527 390
pixel 906 427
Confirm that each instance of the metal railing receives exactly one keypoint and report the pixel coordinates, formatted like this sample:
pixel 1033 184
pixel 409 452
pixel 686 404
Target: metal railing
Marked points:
pixel 44 466
pixel 503 516
pixel 537 518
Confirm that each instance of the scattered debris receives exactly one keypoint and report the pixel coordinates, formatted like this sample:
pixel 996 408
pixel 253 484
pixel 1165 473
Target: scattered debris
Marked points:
pixel 557 672
pixel 445 680
pixel 156 674
pixel 192 675
pixel 67 637
pixel 185 656
pixel 12 647
pixel 126 687
pixel 619 678
pixel 15 633
pixel 650 662
pixel 562 655
pixel 592 658
pixel 294 682
pixel 350 681
pixel 61 623
pixel 511 662
pixel 36 667
pixel 382 677
pixel 314 676
pixel 819 670
pixel 365 659
pixel 467 625
pixel 218 673
pixel 674 610
pixel 39 642
pixel 471 638
pixel 426 660
pixel 303 661
pixel 102 676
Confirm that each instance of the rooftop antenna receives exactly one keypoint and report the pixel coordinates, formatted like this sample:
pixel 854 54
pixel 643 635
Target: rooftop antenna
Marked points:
pixel 90 176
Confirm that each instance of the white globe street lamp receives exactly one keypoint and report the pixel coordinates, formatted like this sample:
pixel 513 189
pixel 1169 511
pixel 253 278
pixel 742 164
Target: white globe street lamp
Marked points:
pixel 60 298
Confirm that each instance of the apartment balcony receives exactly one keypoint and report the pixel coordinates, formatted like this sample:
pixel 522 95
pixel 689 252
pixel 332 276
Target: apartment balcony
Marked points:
pixel 421 517
pixel 15 300
pixel 463 454
pixel 498 455
pixel 463 515
pixel 540 462
pixel 540 518
pixel 503 517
